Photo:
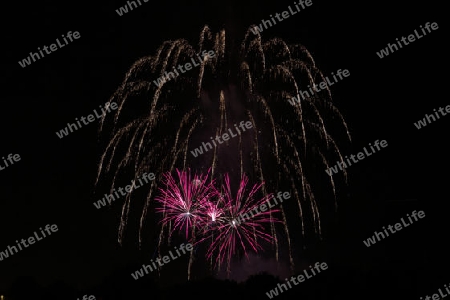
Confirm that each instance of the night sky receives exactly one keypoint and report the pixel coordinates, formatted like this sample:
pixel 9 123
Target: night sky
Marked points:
pixel 54 181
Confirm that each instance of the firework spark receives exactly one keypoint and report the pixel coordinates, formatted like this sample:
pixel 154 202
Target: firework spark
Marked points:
pixel 231 233
pixel 182 201
pixel 191 203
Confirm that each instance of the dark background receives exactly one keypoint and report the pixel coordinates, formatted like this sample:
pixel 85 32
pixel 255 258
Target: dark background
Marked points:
pixel 382 98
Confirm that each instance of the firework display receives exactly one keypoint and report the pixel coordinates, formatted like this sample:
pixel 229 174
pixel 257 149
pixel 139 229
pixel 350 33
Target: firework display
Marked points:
pixel 283 149
pixel 226 149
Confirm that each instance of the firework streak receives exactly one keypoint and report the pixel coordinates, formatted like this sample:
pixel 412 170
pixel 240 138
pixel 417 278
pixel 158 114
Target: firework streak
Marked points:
pixel 128 189
pixel 166 259
pixel 167 75
pixel 272 293
pixel 319 87
pixel 262 207
pixel 225 137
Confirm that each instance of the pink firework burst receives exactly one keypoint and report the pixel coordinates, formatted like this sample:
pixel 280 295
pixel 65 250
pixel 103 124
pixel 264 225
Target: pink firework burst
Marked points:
pixel 211 214
pixel 238 225
pixel 181 200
